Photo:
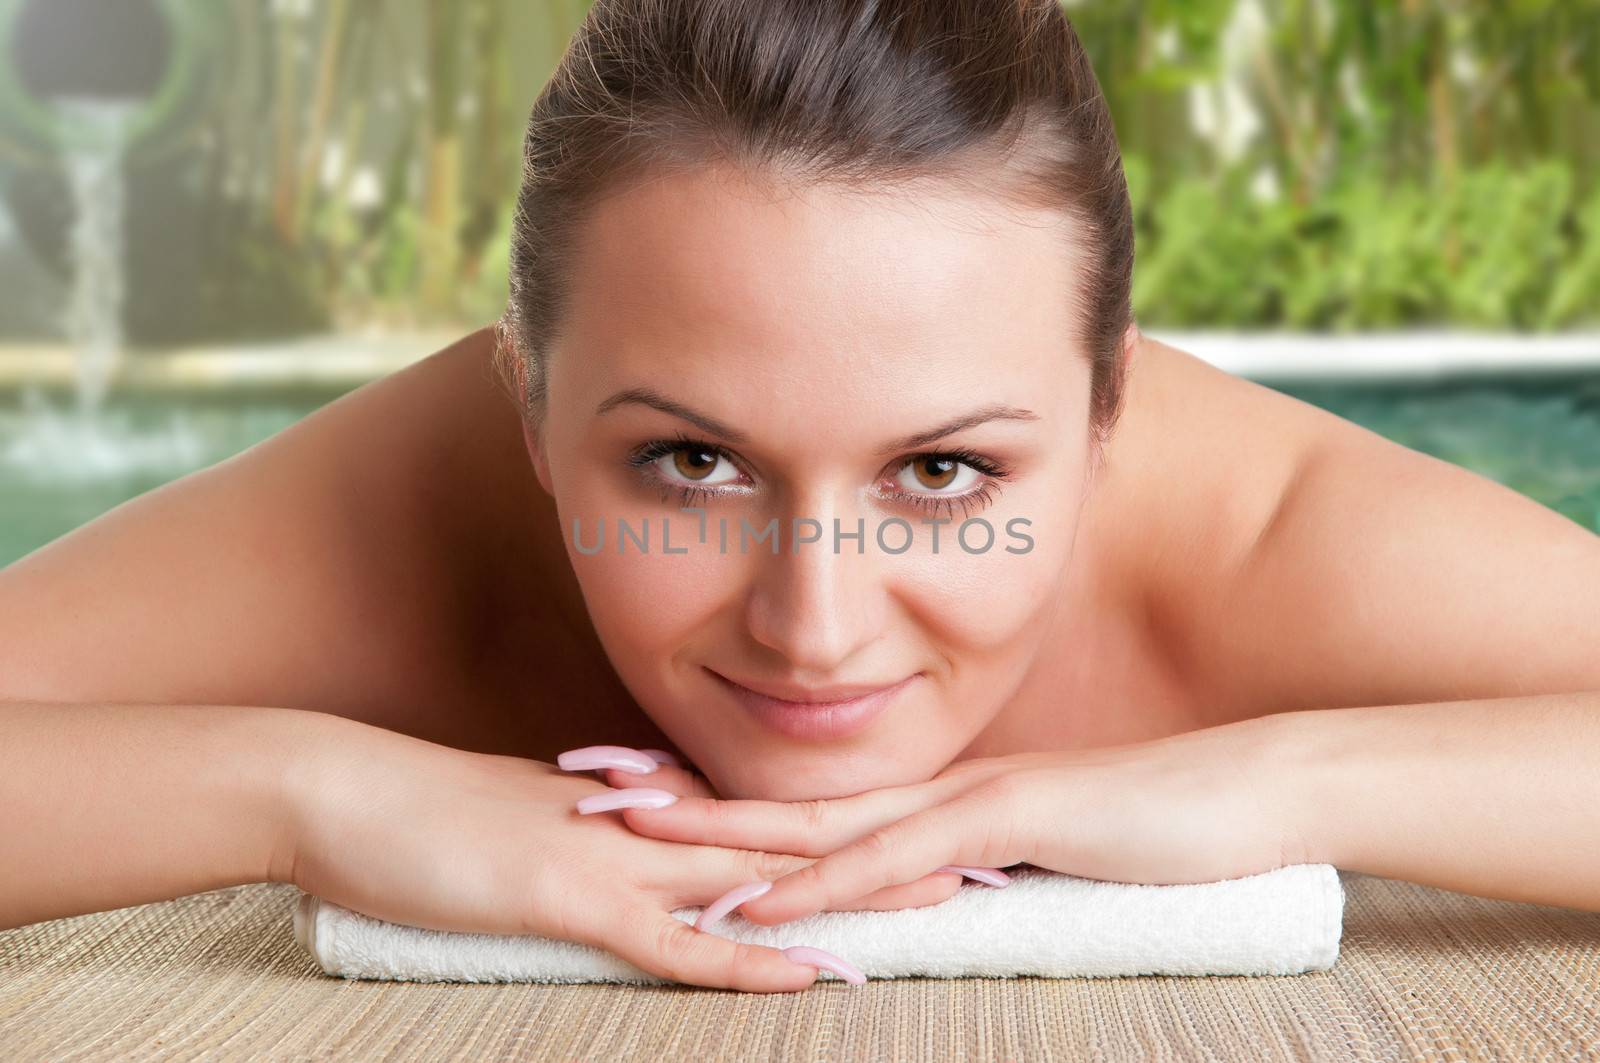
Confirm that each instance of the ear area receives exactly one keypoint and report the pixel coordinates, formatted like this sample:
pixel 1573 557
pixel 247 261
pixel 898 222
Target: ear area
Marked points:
pixel 531 439
pixel 507 355
pixel 537 455
pixel 1130 341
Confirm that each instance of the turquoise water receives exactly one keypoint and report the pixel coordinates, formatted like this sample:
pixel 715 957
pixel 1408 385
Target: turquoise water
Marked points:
pixel 1540 437
pixel 58 471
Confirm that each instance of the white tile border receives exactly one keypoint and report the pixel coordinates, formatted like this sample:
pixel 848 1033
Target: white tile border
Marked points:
pixel 1368 355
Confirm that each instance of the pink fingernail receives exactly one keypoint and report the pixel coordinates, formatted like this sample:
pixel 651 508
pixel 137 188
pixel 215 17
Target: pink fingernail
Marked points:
pixel 810 957
pixel 731 900
pixel 661 756
pixel 993 876
pixel 631 797
pixel 590 758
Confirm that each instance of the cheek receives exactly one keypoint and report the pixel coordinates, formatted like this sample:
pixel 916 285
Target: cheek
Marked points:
pixel 994 575
pixel 642 599
pixel 981 603
pixel 652 602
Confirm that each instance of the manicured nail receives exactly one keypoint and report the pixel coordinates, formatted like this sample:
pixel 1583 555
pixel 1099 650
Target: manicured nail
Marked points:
pixel 631 797
pixel 731 900
pixel 590 758
pixel 661 756
pixel 810 957
pixel 993 876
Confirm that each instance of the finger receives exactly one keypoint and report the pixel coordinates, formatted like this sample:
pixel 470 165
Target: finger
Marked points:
pixel 802 828
pixel 928 890
pixel 976 829
pixel 664 756
pixel 669 948
pixel 595 758
pixel 699 874
pixel 752 868
pixel 707 875
pixel 675 780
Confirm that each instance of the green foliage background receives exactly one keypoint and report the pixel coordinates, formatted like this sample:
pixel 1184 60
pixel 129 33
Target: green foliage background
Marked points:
pixel 1412 161
pixel 1433 162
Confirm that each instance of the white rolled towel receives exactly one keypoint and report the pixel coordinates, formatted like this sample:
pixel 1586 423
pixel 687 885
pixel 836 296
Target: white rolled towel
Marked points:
pixel 1285 921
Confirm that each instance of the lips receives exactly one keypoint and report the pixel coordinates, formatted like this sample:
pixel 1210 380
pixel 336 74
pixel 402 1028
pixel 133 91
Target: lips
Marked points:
pixel 815 719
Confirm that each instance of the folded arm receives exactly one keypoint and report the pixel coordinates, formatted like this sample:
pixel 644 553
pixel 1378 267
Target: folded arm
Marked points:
pixel 1497 797
pixel 112 805
pixel 1432 640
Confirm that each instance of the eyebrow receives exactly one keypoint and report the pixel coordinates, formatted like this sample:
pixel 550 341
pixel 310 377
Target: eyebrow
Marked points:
pixel 650 397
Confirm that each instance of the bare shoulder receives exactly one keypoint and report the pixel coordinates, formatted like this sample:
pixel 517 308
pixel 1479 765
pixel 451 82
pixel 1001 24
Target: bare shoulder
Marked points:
pixel 333 566
pixel 1327 566
pixel 1198 463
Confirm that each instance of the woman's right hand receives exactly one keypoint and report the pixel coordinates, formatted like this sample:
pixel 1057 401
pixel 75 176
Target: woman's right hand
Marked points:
pixel 422 834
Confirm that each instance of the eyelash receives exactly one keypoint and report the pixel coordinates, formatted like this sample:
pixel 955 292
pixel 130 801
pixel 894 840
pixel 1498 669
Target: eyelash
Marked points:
pixel 984 494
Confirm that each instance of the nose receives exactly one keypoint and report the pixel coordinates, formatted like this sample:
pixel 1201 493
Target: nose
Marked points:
pixel 816 607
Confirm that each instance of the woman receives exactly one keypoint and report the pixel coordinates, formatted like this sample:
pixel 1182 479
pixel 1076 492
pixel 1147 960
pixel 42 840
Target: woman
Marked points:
pixel 794 283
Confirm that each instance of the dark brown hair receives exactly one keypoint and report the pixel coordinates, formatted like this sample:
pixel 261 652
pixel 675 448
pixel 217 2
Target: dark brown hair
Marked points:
pixel 859 92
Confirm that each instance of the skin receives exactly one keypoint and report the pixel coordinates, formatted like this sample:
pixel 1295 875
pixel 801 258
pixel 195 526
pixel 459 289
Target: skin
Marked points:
pixel 1249 634
pixel 650 313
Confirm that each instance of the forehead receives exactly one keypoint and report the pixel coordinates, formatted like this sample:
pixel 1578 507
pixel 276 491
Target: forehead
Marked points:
pixel 706 265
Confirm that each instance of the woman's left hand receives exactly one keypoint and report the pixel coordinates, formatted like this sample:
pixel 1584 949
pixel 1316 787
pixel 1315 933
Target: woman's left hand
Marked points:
pixel 1194 807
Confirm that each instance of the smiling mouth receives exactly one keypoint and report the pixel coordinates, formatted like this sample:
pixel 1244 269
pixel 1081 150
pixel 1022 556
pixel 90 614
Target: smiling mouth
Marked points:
pixel 815 719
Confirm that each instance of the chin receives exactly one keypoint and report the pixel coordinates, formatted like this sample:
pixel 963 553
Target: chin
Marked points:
pixel 805 777
pixel 782 790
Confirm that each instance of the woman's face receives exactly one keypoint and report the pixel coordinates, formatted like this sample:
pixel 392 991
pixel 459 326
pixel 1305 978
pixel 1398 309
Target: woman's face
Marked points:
pixel 898 364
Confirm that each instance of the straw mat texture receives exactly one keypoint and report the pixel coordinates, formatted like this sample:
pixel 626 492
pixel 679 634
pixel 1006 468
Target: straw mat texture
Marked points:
pixel 1422 974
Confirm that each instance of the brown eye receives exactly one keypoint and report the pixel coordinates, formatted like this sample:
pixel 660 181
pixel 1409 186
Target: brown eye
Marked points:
pixel 934 472
pixel 937 474
pixel 695 463
pixel 690 465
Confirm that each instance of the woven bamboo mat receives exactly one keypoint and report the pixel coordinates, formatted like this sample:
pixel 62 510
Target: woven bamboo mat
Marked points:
pixel 1422 974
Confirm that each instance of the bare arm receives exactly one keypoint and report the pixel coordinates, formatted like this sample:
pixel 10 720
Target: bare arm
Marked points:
pixel 1429 638
pixel 1497 797
pixel 107 806
pixel 113 805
